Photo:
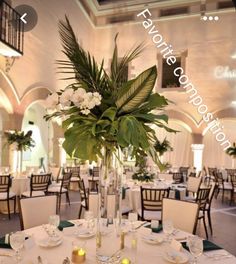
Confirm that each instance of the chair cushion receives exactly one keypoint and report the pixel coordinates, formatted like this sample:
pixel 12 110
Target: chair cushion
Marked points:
pixel 228 186
pixel 34 193
pixel 56 189
pixel 150 215
pixel 3 196
pixel 75 179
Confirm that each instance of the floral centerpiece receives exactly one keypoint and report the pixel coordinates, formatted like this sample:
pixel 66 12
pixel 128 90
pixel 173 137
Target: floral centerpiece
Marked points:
pixel 103 112
pixel 231 151
pixel 20 141
pixel 162 147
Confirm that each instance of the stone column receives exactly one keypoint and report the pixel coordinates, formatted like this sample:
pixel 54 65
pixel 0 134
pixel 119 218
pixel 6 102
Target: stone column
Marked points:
pixel 197 156
pixel 62 153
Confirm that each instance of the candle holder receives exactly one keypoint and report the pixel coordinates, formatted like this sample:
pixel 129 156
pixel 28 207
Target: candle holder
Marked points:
pixel 125 261
pixel 78 253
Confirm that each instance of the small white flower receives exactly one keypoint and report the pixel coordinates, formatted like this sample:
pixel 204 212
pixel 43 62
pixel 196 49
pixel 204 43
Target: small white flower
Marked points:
pixel 85 111
pixel 65 98
pixel 78 96
pixel 52 101
pixel 91 104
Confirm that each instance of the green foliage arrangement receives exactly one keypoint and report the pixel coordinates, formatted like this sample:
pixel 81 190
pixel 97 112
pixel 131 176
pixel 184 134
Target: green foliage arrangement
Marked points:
pixel 162 147
pixel 104 111
pixel 231 151
pixel 144 176
pixel 22 141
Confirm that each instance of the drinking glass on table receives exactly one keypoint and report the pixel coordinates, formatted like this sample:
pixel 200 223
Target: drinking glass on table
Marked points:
pixel 168 228
pixel 17 242
pixel 54 221
pixel 89 218
pixel 133 217
pixel 195 245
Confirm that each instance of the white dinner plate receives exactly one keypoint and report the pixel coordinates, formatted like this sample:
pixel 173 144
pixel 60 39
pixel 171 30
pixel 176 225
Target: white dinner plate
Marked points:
pixel 153 239
pixel 85 233
pixel 49 243
pixel 176 257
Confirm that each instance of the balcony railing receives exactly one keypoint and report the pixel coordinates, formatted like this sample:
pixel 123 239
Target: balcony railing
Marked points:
pixel 11 29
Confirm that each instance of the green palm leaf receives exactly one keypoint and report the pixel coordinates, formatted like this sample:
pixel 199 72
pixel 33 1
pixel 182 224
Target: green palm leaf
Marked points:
pixel 137 91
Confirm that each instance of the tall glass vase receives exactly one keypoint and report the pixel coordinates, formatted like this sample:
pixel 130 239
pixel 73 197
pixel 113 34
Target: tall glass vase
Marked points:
pixel 19 162
pixel 109 209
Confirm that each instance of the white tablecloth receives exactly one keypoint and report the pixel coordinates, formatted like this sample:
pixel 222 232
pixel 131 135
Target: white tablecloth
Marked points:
pixel 19 185
pixel 146 253
pixel 133 196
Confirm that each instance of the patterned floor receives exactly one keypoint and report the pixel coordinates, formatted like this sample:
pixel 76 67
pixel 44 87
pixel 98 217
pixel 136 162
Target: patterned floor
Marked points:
pixel 223 220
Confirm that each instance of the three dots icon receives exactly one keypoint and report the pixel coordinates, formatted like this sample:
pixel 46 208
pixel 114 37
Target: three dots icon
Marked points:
pixel 210 18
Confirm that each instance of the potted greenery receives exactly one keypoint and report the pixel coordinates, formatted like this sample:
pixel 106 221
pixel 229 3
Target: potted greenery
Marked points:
pixel 20 142
pixel 231 151
pixel 142 175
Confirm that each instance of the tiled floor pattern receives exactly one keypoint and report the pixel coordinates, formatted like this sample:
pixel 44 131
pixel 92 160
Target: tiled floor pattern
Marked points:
pixel 223 219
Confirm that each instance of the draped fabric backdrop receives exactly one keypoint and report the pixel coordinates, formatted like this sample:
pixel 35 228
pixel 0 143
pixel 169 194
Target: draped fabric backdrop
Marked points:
pixel 213 154
pixel 181 142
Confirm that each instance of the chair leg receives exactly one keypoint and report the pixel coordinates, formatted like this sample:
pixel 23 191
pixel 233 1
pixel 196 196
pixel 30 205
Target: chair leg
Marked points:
pixel 15 205
pixel 68 198
pixel 209 220
pixel 80 211
pixel 59 203
pixel 8 209
pixel 205 227
pixel 223 194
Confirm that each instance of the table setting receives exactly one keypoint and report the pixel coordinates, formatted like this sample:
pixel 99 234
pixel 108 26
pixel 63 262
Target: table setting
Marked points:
pixel 75 241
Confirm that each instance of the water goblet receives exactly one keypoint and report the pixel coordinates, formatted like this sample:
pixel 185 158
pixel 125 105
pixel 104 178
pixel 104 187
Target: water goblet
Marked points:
pixel 195 245
pixel 132 217
pixel 168 228
pixel 17 242
pixel 54 221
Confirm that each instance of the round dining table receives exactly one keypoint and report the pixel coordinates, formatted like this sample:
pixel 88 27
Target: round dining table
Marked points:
pixel 145 253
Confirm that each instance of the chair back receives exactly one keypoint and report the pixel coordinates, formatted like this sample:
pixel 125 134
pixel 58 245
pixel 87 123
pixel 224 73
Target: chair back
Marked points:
pixel 74 170
pixel 212 171
pixel 40 182
pixel 5 183
pixel 65 183
pixel 183 214
pixel 203 197
pixel 211 192
pixel 233 181
pixel 151 199
pixel 230 172
pixel 219 178
pixel 177 177
pixel 96 171
pixel 193 184
pixel 83 192
pixel 193 174
pixel 35 211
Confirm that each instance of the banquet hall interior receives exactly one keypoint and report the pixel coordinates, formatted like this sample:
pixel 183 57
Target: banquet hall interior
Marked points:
pixel 117 116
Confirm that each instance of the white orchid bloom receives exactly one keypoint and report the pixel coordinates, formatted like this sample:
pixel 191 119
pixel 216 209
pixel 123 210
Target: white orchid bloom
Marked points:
pixel 78 96
pixel 65 98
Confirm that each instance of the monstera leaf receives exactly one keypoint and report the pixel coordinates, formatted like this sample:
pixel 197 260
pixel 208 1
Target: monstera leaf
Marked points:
pixel 133 94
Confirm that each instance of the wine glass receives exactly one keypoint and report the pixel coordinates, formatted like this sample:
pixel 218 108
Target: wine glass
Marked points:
pixel 17 242
pixel 133 217
pixel 168 228
pixel 89 218
pixel 54 221
pixel 195 246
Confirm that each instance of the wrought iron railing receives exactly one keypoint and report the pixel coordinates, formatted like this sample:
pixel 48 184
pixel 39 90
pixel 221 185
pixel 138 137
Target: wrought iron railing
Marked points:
pixel 11 27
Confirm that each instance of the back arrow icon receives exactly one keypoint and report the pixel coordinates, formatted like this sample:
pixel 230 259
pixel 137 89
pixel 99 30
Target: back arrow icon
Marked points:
pixel 23 18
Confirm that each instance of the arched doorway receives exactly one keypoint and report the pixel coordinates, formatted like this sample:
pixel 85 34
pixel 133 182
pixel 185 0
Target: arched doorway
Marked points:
pixel 42 134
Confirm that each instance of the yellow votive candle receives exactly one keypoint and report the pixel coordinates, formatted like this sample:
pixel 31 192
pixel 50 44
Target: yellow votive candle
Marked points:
pixel 125 261
pixel 78 256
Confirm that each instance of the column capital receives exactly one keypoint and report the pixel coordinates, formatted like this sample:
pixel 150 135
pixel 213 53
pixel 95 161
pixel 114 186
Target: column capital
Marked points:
pixel 197 147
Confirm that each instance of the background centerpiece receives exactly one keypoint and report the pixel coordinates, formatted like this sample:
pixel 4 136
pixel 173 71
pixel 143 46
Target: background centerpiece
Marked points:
pixel 20 141
pixel 103 112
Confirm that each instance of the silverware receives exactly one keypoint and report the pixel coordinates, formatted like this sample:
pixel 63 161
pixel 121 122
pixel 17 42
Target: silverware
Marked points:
pixel 141 225
pixel 66 261
pixel 40 260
